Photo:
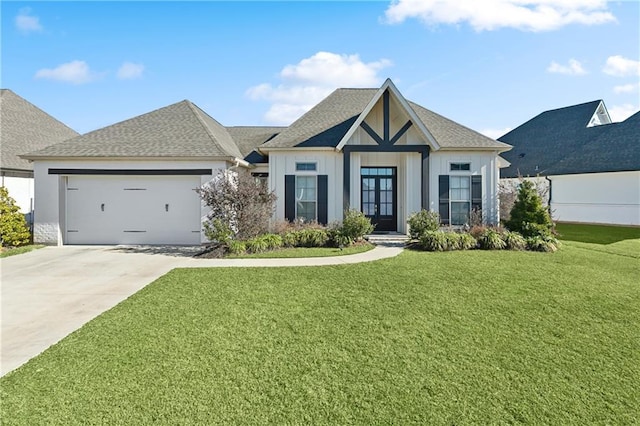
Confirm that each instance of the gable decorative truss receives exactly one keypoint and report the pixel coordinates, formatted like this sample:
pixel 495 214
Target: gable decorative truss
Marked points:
pixel 385 92
pixel 600 116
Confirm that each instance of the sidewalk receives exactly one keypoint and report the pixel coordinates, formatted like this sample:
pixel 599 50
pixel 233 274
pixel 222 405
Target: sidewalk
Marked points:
pixel 377 253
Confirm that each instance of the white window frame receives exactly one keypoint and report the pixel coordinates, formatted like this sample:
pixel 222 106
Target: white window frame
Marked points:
pixel 453 201
pixel 315 167
pixel 299 200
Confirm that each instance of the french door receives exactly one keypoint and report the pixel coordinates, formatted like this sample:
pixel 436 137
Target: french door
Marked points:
pixel 379 200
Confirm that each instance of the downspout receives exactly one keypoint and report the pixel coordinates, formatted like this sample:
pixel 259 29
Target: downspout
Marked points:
pixel 550 193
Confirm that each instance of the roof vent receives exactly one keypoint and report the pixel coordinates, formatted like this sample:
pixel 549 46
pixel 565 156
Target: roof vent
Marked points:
pixel 521 155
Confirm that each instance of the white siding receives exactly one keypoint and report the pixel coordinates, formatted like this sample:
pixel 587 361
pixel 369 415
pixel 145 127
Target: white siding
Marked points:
pixel 609 198
pixel 20 189
pixel 50 202
pixel 484 164
pixel 329 163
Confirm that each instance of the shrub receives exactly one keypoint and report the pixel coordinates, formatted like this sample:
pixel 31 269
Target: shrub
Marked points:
pixel 467 242
pixel 239 201
pixel 273 241
pixel 422 221
pixel 218 231
pixel 290 239
pixel 237 247
pixel 257 245
pixel 452 240
pixel 13 226
pixel 337 238
pixel 477 231
pixel 541 243
pixel 355 225
pixel 528 216
pixel 491 240
pixel 433 241
pixel 514 241
pixel 311 237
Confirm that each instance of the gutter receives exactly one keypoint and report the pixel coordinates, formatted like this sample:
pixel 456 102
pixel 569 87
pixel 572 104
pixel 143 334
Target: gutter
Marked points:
pixel 550 194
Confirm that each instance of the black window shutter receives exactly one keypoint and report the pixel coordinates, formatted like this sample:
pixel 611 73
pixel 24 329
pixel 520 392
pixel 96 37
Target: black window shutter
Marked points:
pixel 290 197
pixel 443 207
pixel 323 198
pixel 476 192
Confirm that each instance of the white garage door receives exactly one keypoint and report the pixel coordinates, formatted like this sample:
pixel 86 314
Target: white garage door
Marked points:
pixel 132 210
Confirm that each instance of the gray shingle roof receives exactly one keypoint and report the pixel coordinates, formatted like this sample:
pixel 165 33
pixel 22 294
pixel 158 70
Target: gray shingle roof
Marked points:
pixel 248 138
pixel 326 123
pixel 559 142
pixel 24 128
pixel 178 130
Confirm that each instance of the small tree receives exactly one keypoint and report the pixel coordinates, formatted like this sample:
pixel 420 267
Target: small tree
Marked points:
pixel 13 226
pixel 240 204
pixel 528 216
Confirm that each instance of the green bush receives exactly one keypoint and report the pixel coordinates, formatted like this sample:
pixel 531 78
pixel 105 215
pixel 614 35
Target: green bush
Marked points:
pixel 13 227
pixel 237 247
pixel 355 225
pixel 290 239
pixel 514 241
pixel 491 240
pixel 311 237
pixel 528 216
pixel 422 221
pixel 452 240
pixel 273 241
pixel 257 244
pixel 337 238
pixel 543 243
pixel 219 231
pixel 433 241
pixel 467 242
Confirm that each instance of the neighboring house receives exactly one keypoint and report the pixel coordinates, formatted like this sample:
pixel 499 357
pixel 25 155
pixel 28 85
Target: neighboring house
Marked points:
pixel 591 164
pixel 24 128
pixel 368 149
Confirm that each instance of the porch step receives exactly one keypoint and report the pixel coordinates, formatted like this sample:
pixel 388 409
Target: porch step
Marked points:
pixel 391 238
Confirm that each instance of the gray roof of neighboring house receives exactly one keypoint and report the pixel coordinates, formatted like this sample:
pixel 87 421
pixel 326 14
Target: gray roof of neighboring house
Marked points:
pixel 178 130
pixel 24 128
pixel 248 138
pixel 327 122
pixel 559 142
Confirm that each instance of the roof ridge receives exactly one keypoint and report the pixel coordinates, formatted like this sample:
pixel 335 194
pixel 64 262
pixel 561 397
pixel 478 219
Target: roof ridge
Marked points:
pixel 572 106
pixel 41 110
pixel 197 110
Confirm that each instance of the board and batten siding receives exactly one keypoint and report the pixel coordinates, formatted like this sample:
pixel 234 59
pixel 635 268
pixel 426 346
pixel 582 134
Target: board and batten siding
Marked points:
pixel 607 198
pixel 484 164
pixel 50 190
pixel 329 163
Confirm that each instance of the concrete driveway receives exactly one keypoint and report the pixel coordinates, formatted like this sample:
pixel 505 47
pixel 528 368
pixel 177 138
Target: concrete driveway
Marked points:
pixel 49 293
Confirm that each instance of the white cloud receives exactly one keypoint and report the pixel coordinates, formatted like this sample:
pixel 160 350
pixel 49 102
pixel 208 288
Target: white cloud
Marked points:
pixel 622 112
pixel 306 83
pixel 74 72
pixel 27 23
pixel 574 67
pixel 627 88
pixel 496 133
pixel 620 66
pixel 488 15
pixel 130 71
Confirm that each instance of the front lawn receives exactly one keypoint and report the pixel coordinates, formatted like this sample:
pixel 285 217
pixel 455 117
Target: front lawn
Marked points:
pixel 12 251
pixel 306 252
pixel 467 337
pixel 620 240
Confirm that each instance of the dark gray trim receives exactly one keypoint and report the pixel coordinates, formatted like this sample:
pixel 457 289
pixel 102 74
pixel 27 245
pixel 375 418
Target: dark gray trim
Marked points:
pixel 476 192
pixel 443 199
pixel 401 132
pixel 132 172
pixel 372 133
pixel 424 173
pixel 323 199
pixel 290 197
pixel 346 178
pixel 385 148
pixel 385 114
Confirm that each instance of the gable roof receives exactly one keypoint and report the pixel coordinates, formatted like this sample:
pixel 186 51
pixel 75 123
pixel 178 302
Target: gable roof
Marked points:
pixel 178 130
pixel 24 128
pixel 327 124
pixel 248 138
pixel 559 142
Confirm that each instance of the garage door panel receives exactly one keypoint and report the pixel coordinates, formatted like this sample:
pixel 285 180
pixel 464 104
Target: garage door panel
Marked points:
pixel 133 210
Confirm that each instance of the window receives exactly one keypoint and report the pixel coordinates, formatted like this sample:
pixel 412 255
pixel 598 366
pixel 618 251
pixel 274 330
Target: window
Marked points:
pixel 263 178
pixel 460 187
pixel 377 171
pixel 460 167
pixel 305 167
pixel 306 197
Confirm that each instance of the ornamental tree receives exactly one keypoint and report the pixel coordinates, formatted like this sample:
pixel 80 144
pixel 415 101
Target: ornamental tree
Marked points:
pixel 528 216
pixel 13 227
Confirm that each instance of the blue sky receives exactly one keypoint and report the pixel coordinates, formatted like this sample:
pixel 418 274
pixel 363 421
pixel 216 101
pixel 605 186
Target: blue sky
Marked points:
pixel 490 65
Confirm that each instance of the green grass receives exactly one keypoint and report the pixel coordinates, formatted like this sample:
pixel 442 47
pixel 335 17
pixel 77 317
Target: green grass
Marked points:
pixel 620 240
pixel 6 252
pixel 470 337
pixel 306 252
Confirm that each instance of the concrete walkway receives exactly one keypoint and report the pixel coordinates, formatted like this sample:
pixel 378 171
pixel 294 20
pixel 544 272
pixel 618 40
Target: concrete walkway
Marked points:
pixel 49 293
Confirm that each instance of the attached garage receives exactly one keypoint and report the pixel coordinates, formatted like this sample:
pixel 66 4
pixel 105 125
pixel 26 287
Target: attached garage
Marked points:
pixel 132 210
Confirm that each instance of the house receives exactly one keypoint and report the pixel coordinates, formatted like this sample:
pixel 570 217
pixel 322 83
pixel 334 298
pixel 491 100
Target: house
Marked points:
pixel 592 166
pixel 368 149
pixel 24 128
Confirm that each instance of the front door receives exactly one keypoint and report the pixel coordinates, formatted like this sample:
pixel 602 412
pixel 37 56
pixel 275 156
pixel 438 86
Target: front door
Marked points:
pixel 379 196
